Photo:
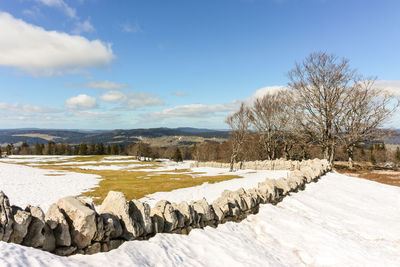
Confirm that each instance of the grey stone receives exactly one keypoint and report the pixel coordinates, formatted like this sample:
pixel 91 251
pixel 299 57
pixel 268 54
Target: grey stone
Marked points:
pixel 35 236
pixel 6 218
pixel 112 226
pixel 81 220
pixel 113 244
pixel 49 243
pixel 115 203
pixel 204 209
pixel 93 248
pixel 187 211
pixel 57 222
pixel 65 251
pixel 22 219
pixel 141 213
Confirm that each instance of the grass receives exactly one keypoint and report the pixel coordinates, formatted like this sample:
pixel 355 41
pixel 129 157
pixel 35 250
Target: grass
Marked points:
pixel 367 171
pixel 134 184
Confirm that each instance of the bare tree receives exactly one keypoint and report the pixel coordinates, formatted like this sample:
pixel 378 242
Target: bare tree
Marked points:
pixel 320 85
pixel 265 119
pixel 367 109
pixel 289 132
pixel 239 123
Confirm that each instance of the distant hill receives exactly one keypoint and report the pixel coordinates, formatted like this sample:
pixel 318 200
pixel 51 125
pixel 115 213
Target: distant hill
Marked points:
pixel 154 136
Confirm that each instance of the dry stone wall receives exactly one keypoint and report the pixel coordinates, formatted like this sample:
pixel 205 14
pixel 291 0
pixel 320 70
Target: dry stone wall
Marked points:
pixel 73 226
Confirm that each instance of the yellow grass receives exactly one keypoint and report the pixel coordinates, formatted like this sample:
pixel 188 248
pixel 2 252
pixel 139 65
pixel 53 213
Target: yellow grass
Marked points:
pixel 135 184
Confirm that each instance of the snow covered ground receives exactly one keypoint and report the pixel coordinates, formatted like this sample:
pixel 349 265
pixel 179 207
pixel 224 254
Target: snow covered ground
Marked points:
pixel 39 187
pixel 339 221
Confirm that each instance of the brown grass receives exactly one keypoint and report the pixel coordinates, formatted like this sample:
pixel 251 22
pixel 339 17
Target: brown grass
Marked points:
pixel 389 177
pixel 135 184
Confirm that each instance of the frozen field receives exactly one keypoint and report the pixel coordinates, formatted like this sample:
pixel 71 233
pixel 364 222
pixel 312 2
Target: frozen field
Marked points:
pixel 339 221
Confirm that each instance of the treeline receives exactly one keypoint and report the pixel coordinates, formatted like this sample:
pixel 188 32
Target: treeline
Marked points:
pixel 209 151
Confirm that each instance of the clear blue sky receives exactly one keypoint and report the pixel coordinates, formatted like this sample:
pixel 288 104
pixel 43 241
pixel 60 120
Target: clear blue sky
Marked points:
pixel 97 64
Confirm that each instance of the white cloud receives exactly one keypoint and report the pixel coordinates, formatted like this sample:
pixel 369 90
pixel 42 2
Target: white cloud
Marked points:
pixel 180 93
pixel 131 100
pixel 81 27
pixel 129 28
pixel 263 91
pixel 106 85
pixel 69 11
pixel 193 110
pixel 202 111
pixel 81 101
pixel 26 108
pixel 113 96
pixel 94 115
pixel 392 87
pixel 40 52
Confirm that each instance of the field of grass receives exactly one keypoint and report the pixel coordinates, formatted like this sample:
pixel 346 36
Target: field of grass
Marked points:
pixel 367 171
pixel 133 183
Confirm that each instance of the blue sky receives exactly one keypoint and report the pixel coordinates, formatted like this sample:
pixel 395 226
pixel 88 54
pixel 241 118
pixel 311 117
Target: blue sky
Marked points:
pixel 96 64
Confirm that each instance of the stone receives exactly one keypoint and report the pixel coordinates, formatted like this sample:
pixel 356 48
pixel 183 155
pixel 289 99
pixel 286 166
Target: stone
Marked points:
pixel 65 251
pixel 235 199
pixel 88 202
pixel 282 183
pixel 248 198
pixel 308 173
pixel 49 243
pixel 113 244
pixel 6 218
pixel 93 248
pixel 112 226
pixel 81 220
pixel 55 219
pixel 157 219
pixel 100 231
pixel 179 215
pixel 22 219
pixel 115 203
pixel 168 214
pixel 141 214
pixel 204 209
pixel 187 211
pixel 35 236
pixel 255 195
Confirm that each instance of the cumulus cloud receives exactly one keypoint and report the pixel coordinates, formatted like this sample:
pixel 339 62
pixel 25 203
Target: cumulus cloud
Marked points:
pixel 81 101
pixel 81 27
pixel 40 52
pixel 69 11
pixel 113 96
pixel 263 91
pixel 131 101
pixel 106 85
pixel 392 87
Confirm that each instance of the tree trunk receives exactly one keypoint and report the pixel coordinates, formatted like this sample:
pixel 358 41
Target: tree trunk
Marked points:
pixel 332 153
pixel 350 154
pixel 233 157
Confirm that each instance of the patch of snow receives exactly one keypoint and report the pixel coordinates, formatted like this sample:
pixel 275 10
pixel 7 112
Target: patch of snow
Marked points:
pixel 339 221
pixel 250 179
pixel 27 185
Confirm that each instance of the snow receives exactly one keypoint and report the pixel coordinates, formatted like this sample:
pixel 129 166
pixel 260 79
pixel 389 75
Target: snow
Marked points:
pixel 39 187
pixel 210 192
pixel 339 221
